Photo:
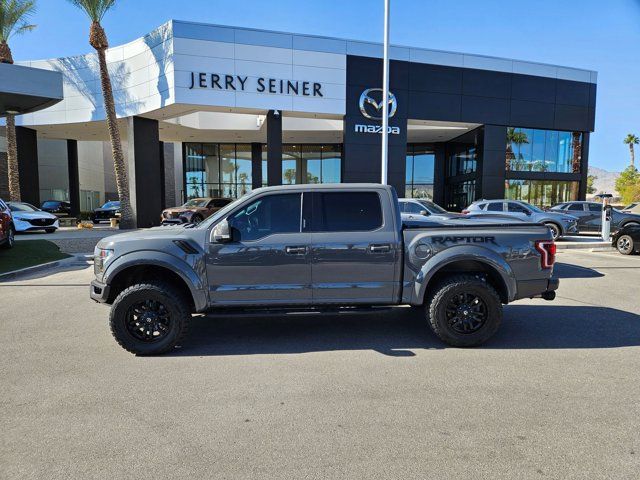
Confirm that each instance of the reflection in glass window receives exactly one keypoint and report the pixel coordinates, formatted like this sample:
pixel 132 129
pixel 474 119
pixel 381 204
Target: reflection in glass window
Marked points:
pixel 462 160
pixel 460 195
pixel 420 162
pixel 311 164
pixel 542 193
pixel 533 150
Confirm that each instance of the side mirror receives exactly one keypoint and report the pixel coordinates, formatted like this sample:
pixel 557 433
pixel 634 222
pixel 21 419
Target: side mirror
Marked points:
pixel 221 232
pixel 424 213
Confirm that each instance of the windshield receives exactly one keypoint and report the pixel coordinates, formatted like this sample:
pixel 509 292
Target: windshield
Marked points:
pixel 22 207
pixel 432 207
pixel 50 204
pixel 532 207
pixel 111 205
pixel 196 202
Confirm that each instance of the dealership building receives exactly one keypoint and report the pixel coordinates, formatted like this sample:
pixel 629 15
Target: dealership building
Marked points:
pixel 209 110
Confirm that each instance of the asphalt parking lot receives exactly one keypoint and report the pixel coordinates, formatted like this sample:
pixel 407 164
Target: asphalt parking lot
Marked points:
pixel 556 394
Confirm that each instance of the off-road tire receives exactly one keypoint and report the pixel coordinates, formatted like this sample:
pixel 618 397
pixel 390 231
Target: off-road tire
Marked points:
pixel 10 240
pixel 448 288
pixel 555 230
pixel 173 300
pixel 624 245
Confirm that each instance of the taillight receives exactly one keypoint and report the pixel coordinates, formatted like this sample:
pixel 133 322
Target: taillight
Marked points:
pixel 547 249
pixel 465 212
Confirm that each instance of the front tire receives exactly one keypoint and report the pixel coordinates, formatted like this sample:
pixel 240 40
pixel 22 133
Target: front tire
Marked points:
pixel 624 245
pixel 555 230
pixel 149 318
pixel 464 311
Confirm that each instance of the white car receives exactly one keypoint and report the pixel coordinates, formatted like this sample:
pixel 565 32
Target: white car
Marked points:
pixel 27 218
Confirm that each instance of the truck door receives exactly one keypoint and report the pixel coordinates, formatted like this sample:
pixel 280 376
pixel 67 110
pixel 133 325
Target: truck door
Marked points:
pixel 268 259
pixel 355 250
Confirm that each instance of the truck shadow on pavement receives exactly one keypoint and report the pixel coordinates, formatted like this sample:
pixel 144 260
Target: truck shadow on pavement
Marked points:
pixel 567 270
pixel 402 331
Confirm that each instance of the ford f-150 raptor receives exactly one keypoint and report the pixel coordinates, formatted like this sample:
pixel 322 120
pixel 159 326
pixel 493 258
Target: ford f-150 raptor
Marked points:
pixel 319 247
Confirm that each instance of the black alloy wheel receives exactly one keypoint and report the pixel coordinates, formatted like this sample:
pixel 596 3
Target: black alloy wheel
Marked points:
pixel 466 313
pixel 11 238
pixel 624 244
pixel 555 230
pixel 148 321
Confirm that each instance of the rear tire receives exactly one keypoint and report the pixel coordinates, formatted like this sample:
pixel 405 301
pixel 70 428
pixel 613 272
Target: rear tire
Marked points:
pixel 555 230
pixel 11 238
pixel 624 245
pixel 464 311
pixel 149 318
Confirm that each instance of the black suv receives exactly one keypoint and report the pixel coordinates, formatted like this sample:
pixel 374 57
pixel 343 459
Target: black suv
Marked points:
pixel 589 216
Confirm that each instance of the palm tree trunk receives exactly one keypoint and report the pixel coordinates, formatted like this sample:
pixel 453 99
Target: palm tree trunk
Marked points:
pixel 12 159
pixel 575 163
pixel 633 155
pixel 122 181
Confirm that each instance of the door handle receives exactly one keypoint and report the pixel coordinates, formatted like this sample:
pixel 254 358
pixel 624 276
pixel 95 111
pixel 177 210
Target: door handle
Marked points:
pixel 295 250
pixel 380 248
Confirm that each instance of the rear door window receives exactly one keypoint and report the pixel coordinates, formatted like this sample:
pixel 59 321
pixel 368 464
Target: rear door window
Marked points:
pixel 415 208
pixel 595 207
pixel 494 207
pixel 347 212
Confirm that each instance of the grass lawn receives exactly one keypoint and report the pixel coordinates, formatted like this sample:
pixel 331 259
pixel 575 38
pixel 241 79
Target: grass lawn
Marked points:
pixel 27 253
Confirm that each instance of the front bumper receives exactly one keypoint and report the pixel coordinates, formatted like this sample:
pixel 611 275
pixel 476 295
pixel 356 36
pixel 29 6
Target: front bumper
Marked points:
pixel 99 291
pixel 571 228
pixel 34 225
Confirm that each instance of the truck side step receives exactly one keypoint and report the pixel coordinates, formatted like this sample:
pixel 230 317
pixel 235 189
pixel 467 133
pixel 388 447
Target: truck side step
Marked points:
pixel 291 311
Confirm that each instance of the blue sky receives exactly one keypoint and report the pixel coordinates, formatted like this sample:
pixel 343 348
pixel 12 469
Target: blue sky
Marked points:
pixel 592 34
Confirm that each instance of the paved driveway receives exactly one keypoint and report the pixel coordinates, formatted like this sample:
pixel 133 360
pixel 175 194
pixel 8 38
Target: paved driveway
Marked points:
pixel 554 395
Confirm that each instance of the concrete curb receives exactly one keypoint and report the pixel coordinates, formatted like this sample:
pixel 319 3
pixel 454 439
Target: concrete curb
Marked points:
pixel 83 257
pixel 582 246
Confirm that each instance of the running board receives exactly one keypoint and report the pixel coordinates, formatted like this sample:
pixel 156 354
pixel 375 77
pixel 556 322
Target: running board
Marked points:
pixel 291 311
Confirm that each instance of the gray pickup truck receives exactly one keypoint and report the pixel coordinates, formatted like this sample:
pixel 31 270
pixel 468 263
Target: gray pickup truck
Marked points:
pixel 319 247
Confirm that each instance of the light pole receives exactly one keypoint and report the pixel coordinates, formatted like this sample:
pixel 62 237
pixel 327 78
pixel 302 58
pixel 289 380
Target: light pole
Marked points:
pixel 385 95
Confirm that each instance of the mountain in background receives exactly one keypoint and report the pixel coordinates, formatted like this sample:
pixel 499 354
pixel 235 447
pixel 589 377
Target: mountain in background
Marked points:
pixel 605 181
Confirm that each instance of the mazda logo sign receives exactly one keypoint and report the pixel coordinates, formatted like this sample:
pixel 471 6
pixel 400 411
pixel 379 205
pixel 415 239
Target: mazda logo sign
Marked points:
pixel 371 104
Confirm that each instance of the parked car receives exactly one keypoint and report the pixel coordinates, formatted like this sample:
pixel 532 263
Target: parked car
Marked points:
pixel 560 224
pixel 632 208
pixel 589 215
pixel 194 211
pixel 27 218
pixel 57 207
pixel 318 247
pixel 419 209
pixel 627 239
pixel 7 229
pixel 106 212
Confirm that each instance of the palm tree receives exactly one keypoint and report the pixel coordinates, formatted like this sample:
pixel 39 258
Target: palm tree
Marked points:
pixel 632 140
pixel 96 10
pixel 514 138
pixel 14 15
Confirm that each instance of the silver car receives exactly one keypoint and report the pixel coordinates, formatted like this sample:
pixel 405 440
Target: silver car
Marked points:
pixel 560 224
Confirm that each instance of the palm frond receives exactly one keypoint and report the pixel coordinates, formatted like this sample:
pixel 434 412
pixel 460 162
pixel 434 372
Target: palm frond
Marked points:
pixel 95 9
pixel 14 16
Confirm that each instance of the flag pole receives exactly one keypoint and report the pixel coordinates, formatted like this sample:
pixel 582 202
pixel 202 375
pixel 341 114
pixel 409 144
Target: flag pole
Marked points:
pixel 385 96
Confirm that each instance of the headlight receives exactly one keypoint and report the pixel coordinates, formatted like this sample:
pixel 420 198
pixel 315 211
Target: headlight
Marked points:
pixel 100 258
pixel 20 219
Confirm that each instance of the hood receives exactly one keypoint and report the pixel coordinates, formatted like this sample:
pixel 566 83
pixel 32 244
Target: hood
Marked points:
pixel 32 215
pixel 113 209
pixel 183 209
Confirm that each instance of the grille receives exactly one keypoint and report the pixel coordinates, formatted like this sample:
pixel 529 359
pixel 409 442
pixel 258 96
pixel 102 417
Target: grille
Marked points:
pixel 42 222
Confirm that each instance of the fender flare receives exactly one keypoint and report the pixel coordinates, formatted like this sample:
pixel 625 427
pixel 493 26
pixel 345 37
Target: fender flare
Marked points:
pixel 164 260
pixel 461 253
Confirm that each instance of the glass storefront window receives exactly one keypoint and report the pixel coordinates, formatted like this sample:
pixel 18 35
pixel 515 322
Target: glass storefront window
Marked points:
pixel 531 150
pixel 542 193
pixel 460 195
pixel 217 170
pixel 420 163
pixel 462 161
